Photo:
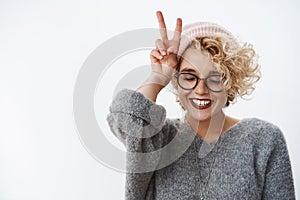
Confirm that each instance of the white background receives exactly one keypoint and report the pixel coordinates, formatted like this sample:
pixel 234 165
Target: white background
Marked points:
pixel 43 45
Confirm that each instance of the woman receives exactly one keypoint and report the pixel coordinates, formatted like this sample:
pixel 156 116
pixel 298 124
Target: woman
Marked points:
pixel 229 158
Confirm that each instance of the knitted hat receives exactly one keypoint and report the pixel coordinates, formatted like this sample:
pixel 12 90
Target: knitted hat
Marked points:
pixel 202 29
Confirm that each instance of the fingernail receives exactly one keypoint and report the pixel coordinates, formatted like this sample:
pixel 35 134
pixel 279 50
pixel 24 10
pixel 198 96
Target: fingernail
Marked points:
pixel 160 57
pixel 163 53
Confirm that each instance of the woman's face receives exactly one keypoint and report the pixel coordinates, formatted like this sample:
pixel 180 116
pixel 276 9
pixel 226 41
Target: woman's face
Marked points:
pixel 200 103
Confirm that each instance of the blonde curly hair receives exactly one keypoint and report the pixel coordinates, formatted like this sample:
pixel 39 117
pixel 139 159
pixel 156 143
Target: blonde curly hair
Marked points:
pixel 237 64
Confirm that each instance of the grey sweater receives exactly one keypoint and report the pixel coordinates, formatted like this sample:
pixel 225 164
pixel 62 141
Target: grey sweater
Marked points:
pixel 251 160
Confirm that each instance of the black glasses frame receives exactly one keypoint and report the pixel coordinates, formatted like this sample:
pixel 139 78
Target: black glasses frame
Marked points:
pixel 177 74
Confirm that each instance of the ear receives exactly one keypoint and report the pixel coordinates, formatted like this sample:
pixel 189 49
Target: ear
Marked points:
pixel 227 102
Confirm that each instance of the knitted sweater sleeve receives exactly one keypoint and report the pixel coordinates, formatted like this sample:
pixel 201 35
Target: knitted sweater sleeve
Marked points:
pixel 136 121
pixel 278 177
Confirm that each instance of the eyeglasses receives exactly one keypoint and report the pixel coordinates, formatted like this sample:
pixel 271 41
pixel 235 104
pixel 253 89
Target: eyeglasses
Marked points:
pixel 189 81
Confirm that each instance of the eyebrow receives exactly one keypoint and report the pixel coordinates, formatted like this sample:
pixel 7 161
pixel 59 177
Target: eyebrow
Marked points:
pixel 188 70
pixel 213 72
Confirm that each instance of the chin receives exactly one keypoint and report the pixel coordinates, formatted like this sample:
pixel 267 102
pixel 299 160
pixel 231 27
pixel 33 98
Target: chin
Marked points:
pixel 199 115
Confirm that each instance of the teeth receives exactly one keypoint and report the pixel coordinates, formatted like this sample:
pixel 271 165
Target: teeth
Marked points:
pixel 201 102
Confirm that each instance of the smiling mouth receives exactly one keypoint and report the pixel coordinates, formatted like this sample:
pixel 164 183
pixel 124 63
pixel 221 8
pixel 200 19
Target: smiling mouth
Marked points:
pixel 201 103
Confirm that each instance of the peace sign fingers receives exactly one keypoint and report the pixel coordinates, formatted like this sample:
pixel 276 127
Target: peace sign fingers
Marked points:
pixel 167 48
pixel 163 28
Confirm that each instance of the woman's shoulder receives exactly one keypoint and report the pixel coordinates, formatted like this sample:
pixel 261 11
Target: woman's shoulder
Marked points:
pixel 261 129
pixel 255 122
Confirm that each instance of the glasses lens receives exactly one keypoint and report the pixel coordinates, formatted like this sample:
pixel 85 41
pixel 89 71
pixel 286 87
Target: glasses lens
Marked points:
pixel 214 83
pixel 187 81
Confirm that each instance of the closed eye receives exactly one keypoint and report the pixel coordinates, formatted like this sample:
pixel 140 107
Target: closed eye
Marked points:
pixel 216 79
pixel 190 79
pixel 216 82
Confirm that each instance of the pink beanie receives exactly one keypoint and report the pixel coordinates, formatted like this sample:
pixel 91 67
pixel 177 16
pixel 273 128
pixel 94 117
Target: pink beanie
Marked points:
pixel 202 29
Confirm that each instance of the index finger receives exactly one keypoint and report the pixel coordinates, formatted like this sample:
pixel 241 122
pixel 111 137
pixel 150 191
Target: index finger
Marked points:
pixel 162 26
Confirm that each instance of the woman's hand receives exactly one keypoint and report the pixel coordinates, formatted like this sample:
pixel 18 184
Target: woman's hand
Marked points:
pixel 164 57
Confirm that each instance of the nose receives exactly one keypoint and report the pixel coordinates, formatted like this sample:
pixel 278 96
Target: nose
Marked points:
pixel 201 88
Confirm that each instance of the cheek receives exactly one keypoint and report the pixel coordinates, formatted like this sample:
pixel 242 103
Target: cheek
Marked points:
pixel 183 93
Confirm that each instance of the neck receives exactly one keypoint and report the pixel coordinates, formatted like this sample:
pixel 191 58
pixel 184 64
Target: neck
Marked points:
pixel 210 129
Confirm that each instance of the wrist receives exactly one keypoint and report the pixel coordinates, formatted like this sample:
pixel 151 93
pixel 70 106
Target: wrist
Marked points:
pixel 153 85
pixel 158 78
